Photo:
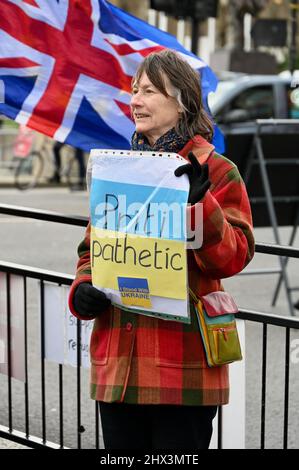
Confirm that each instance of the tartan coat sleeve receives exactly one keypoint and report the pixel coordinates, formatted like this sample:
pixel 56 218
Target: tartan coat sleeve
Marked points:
pixel 83 273
pixel 228 242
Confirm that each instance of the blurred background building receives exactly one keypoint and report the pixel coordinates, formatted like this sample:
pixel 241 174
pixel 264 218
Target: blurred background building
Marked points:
pixel 251 36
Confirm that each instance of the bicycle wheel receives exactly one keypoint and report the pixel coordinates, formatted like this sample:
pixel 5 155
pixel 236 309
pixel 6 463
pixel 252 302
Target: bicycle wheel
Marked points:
pixel 29 171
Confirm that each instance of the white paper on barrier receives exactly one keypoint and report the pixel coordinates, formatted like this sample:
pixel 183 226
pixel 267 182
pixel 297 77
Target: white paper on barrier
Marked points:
pixel 17 339
pixel 61 329
pixel 71 335
pixel 54 323
pixel 86 330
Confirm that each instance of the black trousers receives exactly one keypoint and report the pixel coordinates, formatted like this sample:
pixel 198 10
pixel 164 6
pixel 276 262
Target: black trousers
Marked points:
pixel 156 426
pixel 79 155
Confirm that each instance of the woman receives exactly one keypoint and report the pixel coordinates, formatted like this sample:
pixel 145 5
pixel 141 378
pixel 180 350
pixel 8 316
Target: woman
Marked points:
pixel 150 375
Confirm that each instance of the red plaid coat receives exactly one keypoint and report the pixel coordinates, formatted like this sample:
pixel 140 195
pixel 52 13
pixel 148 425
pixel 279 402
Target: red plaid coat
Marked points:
pixel 139 359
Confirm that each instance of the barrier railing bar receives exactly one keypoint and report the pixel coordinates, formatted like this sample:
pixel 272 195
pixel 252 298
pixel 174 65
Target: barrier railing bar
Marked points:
pixel 79 427
pixel 43 388
pixel 9 356
pixel 275 199
pixel 26 385
pixel 219 439
pixel 97 421
pixel 264 372
pixel 60 368
pixel 279 161
pixel 268 318
pixel 37 273
pixel 286 389
pixel 282 250
pixel 49 216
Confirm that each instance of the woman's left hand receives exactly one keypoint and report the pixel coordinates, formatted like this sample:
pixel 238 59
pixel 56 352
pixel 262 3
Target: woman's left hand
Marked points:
pixel 198 177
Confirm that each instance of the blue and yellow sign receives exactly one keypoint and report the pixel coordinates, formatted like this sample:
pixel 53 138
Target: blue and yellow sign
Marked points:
pixel 134 291
pixel 138 242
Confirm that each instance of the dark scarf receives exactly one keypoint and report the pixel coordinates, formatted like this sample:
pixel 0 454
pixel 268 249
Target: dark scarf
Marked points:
pixel 168 142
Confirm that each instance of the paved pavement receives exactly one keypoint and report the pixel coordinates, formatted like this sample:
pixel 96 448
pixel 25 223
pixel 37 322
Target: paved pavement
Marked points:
pixel 6 444
pixel 52 246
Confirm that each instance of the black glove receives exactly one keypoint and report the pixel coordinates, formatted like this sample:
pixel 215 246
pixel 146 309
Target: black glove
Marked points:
pixel 89 301
pixel 198 177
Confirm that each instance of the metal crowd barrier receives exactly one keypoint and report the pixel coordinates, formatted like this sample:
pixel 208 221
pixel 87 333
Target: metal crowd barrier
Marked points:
pixel 9 432
pixel 26 438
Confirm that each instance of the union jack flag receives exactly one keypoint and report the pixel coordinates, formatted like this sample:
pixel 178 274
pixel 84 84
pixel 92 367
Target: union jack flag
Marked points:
pixel 67 67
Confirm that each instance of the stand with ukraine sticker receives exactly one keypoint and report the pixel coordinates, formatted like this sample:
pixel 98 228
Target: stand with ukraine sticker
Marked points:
pixel 138 231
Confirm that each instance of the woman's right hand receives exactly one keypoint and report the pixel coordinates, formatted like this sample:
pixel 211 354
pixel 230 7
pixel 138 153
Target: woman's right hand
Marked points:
pixel 89 301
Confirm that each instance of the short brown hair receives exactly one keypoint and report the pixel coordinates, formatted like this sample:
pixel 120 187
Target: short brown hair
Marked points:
pixel 187 87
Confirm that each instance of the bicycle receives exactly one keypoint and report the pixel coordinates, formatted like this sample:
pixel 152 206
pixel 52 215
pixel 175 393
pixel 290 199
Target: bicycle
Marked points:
pixel 7 138
pixel 35 167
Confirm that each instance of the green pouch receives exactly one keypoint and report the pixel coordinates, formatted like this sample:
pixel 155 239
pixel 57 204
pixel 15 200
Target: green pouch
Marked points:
pixel 215 313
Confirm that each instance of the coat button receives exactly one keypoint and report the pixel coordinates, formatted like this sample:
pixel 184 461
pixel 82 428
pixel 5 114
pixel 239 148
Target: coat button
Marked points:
pixel 129 326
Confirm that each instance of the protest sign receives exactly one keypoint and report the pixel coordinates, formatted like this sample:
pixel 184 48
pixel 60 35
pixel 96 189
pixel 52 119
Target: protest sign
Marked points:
pixel 138 231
